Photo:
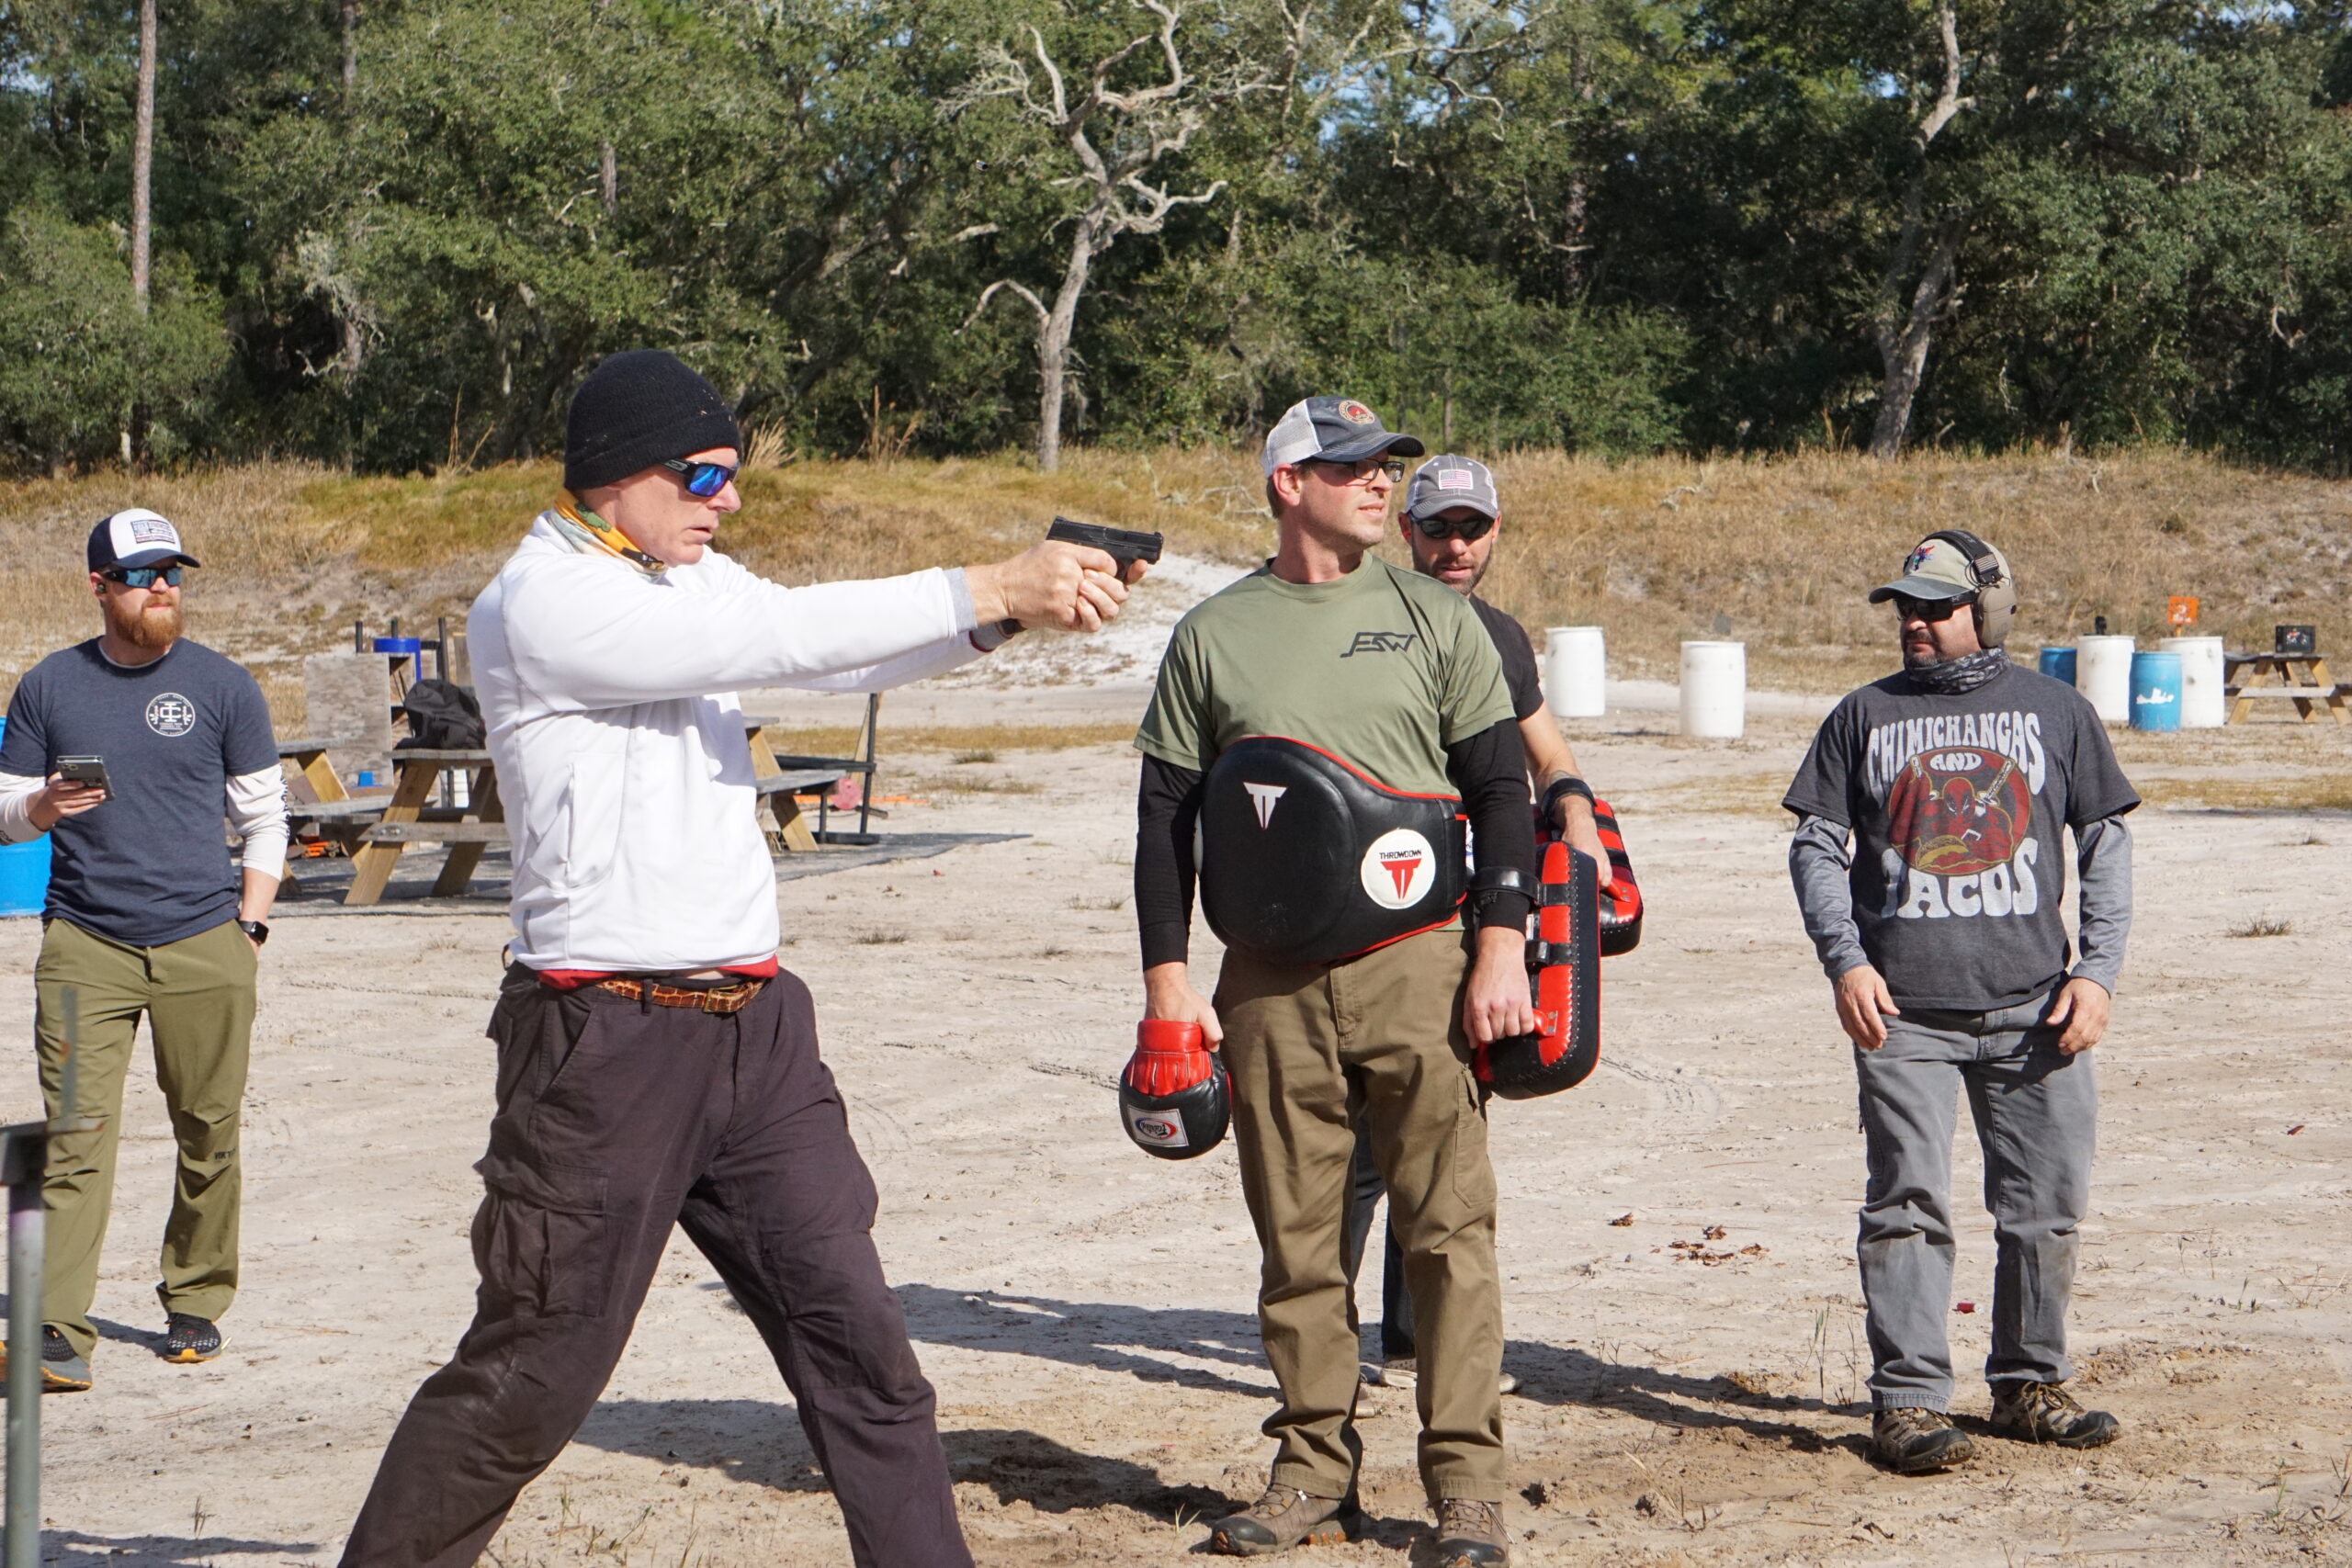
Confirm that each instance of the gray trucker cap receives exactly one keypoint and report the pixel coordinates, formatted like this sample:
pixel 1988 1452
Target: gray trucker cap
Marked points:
pixel 1332 430
pixel 1446 481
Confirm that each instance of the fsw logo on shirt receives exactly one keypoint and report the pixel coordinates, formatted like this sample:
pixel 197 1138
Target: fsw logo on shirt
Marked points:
pixel 169 714
pixel 1960 814
pixel 1380 642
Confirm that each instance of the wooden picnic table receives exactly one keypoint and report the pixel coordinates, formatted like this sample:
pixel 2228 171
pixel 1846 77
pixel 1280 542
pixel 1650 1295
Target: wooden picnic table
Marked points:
pixel 2300 678
pixel 406 820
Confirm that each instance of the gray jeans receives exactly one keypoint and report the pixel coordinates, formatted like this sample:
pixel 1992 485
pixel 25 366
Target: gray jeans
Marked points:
pixel 2036 1114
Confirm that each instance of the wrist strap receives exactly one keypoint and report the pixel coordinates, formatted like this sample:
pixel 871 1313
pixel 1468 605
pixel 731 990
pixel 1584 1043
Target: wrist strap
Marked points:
pixel 1567 784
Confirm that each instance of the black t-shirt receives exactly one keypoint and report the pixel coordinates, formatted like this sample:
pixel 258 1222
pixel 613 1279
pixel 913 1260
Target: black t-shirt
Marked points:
pixel 1518 657
pixel 1957 804
pixel 150 865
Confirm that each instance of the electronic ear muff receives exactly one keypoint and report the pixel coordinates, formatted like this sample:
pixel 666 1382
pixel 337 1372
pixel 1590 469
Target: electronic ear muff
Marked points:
pixel 1997 589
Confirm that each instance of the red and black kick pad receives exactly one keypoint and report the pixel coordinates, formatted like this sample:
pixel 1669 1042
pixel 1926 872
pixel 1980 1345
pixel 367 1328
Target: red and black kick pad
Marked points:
pixel 1564 964
pixel 1620 901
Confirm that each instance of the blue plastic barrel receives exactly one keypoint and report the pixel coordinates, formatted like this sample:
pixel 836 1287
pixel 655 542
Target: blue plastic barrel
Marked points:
pixel 2155 691
pixel 24 871
pixel 2058 663
pixel 400 645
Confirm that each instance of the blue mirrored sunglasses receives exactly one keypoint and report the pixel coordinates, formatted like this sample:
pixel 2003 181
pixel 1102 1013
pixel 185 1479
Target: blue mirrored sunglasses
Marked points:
pixel 143 576
pixel 705 479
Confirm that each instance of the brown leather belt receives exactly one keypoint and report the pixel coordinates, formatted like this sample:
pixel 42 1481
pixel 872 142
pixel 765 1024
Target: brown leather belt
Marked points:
pixel 720 999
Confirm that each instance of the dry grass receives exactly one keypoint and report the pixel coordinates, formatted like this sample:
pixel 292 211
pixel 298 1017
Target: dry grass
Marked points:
pixel 1655 550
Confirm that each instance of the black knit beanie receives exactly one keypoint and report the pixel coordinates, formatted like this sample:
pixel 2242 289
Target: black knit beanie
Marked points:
pixel 637 409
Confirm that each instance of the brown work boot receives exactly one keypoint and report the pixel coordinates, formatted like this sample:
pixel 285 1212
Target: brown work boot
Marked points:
pixel 2046 1413
pixel 1285 1518
pixel 1470 1534
pixel 1912 1440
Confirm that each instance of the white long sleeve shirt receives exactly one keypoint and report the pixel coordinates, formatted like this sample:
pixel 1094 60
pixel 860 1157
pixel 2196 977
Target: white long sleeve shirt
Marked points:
pixel 609 697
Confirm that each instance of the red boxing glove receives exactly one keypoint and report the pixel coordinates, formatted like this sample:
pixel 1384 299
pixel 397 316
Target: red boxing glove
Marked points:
pixel 1173 1098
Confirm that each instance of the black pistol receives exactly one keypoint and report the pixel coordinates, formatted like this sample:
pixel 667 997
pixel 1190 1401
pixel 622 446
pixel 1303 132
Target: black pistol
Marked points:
pixel 1124 546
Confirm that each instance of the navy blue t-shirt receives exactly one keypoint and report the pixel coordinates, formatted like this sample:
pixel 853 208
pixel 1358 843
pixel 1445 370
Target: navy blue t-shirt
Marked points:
pixel 150 865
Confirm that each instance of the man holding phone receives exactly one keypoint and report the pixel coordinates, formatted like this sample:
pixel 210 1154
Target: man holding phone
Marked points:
pixel 129 749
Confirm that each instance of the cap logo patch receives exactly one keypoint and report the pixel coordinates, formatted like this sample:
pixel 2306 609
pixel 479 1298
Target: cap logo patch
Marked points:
pixel 152 531
pixel 1398 869
pixel 1456 479
pixel 1919 557
pixel 1355 412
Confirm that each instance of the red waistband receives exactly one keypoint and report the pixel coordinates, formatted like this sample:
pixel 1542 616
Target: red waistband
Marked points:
pixel 572 979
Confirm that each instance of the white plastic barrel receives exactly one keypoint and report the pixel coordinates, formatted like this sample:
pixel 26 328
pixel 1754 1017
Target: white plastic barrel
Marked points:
pixel 1714 690
pixel 2202 705
pixel 1576 672
pixel 2103 674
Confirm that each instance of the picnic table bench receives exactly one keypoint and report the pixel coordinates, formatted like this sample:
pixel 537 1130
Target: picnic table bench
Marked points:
pixel 2300 678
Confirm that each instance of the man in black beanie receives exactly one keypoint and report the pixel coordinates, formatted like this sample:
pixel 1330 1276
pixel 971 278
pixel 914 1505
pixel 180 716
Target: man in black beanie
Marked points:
pixel 655 1067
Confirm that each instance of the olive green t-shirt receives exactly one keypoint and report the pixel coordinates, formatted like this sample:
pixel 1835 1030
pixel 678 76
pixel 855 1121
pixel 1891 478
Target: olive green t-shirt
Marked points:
pixel 1383 668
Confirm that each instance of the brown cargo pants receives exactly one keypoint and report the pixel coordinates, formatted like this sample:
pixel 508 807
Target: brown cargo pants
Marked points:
pixel 617 1119
pixel 1312 1051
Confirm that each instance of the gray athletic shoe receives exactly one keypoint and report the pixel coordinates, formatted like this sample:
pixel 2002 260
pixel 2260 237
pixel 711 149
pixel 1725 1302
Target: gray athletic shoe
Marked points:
pixel 1912 1440
pixel 2046 1413
pixel 61 1371
pixel 1401 1372
pixel 1283 1517
pixel 188 1339
pixel 1470 1534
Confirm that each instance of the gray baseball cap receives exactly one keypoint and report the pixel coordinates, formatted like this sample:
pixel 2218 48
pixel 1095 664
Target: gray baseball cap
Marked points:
pixel 1937 569
pixel 1332 430
pixel 1446 481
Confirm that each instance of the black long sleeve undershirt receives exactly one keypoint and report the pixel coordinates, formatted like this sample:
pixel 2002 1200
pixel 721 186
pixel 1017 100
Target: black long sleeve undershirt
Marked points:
pixel 1489 769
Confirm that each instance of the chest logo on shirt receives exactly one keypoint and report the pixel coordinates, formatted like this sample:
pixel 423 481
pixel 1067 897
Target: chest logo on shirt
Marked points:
pixel 1398 869
pixel 1960 820
pixel 169 714
pixel 1379 642
pixel 1263 797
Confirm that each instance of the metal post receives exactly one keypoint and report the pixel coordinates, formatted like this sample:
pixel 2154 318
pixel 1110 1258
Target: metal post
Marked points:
pixel 24 1372
pixel 26 1162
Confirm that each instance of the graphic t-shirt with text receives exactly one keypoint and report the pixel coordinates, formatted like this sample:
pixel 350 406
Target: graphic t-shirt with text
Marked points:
pixel 1958 806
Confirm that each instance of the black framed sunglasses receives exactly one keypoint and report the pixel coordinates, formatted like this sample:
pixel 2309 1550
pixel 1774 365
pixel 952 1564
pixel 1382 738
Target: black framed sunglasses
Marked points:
pixel 1439 528
pixel 1929 610
pixel 143 576
pixel 704 480
pixel 1362 471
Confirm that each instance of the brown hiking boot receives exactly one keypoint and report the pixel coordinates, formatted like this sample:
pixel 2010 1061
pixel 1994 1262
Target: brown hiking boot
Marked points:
pixel 1470 1534
pixel 1285 1518
pixel 2046 1413
pixel 1913 1440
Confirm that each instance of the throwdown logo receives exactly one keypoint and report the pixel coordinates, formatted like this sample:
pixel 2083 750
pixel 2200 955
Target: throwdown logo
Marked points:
pixel 1399 870
pixel 1263 798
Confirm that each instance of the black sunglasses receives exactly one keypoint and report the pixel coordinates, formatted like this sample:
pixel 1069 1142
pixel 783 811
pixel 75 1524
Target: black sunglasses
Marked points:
pixel 1439 528
pixel 704 480
pixel 1363 468
pixel 143 576
pixel 1929 610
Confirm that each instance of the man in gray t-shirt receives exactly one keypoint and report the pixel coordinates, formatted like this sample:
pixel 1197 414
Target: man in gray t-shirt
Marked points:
pixel 1940 929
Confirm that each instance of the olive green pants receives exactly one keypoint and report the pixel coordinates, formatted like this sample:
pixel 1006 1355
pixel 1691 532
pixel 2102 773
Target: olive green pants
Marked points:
pixel 198 994
pixel 1311 1051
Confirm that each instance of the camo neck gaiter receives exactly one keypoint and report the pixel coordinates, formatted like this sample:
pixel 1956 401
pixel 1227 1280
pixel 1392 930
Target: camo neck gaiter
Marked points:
pixel 1956 677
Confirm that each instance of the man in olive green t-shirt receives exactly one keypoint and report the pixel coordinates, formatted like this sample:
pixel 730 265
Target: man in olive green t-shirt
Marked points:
pixel 1392 673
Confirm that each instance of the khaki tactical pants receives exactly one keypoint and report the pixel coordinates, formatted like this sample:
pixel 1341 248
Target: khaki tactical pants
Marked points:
pixel 1312 1051
pixel 198 994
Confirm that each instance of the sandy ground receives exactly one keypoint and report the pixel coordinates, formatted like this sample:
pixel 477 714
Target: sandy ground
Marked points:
pixel 1087 1313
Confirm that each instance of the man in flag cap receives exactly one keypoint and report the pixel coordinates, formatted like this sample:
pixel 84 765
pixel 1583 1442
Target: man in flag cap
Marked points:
pixel 655 1065
pixel 1451 517
pixel 1332 653
pixel 128 750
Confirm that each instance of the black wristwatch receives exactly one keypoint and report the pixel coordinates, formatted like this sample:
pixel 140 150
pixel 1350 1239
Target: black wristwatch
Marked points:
pixel 257 930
